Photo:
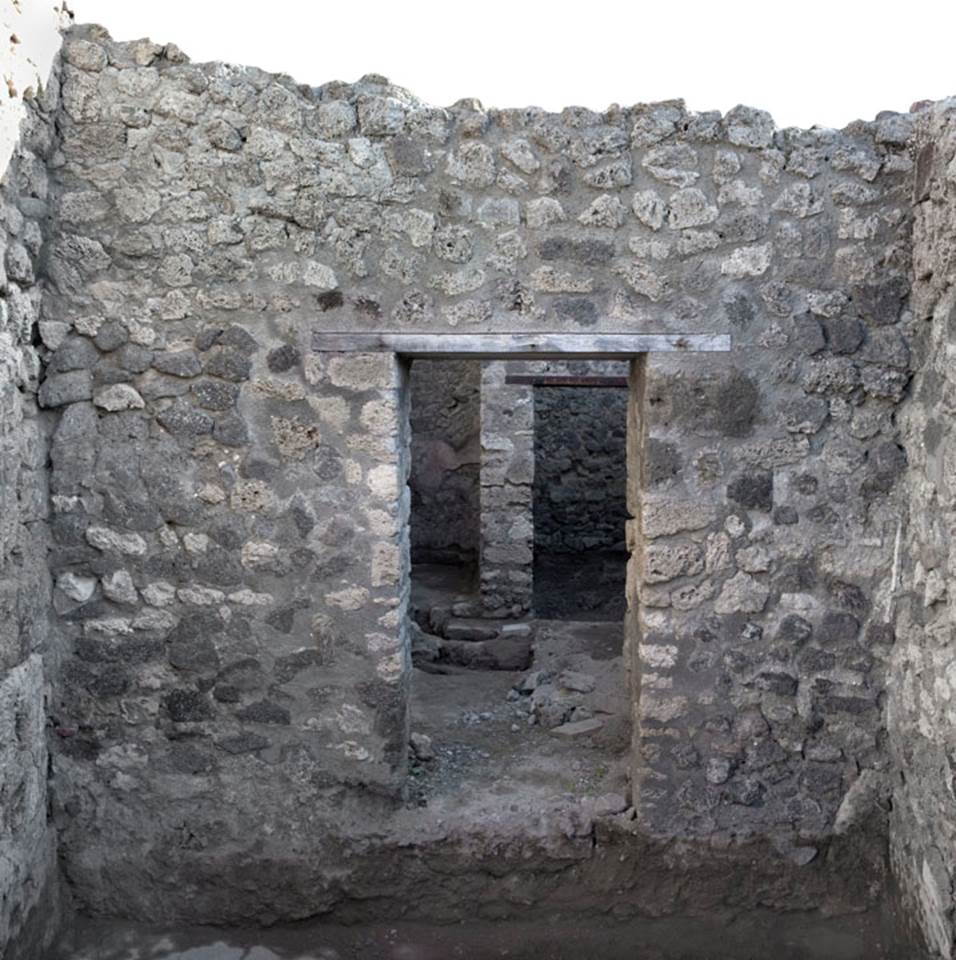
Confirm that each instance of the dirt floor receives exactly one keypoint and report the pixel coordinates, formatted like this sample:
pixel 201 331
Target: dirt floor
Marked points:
pixel 484 741
pixel 493 733
pixel 573 586
pixel 754 937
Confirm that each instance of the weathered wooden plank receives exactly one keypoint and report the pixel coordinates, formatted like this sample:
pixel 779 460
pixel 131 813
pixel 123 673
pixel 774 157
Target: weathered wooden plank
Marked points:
pixel 553 380
pixel 528 346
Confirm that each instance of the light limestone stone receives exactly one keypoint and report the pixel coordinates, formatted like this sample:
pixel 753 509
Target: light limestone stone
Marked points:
pixel 119 587
pixel 110 541
pixel 120 396
pixel 742 594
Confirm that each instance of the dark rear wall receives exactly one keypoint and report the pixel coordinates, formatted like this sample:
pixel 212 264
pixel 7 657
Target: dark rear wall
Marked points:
pixel 580 469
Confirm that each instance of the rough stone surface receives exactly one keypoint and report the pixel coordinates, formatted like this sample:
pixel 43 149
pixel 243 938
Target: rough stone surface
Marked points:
pixel 238 498
pixel 918 609
pixel 29 902
pixel 580 468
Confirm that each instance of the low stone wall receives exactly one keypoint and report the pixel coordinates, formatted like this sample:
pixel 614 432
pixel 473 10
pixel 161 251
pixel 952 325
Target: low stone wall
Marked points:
pixel 920 716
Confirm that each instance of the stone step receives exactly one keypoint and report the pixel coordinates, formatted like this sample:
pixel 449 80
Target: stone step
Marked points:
pixel 577 728
pixel 501 653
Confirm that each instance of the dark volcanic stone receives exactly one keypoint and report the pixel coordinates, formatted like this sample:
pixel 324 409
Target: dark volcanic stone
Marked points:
pixel 782 684
pixel 178 363
pixel 838 627
pixel 111 682
pixel 292 664
pixel 243 743
pixel 752 490
pixel 185 757
pixel 814 659
pixel 577 310
pixel 735 401
pixel 885 463
pixel 238 338
pixel 662 461
pixel 187 706
pixel 215 395
pixel 111 336
pixel 837 704
pixel 848 595
pixel 808 334
pixel 230 430
pixel 228 365
pixel 227 693
pixel 739 310
pixel 282 619
pixel 797 576
pixel 75 353
pixel 134 358
pixel 330 300
pixel 264 711
pixel 588 252
pixel 882 303
pixel 126 649
pixel 806 484
pixel 64 388
pixel 502 653
pixel 184 420
pixel 794 630
pixel 880 634
pixel 844 334
pixel 785 516
pixel 207 338
pixel 282 358
pixel 194 654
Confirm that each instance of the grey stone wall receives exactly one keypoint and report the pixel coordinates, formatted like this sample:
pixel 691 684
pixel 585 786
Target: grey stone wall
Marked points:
pixel 580 468
pixel 507 484
pixel 920 718
pixel 230 510
pixel 446 426
pixel 29 905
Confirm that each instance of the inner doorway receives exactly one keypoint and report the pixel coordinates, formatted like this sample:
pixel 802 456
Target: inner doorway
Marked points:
pixel 519 704
pixel 580 493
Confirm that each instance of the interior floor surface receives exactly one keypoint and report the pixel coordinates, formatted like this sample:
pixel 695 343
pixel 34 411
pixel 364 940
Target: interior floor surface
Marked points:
pixel 754 936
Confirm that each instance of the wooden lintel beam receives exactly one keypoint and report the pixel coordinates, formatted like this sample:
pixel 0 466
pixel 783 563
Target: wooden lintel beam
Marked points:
pixel 527 346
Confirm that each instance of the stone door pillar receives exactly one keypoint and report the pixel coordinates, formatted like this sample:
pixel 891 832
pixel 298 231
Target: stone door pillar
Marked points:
pixel 507 481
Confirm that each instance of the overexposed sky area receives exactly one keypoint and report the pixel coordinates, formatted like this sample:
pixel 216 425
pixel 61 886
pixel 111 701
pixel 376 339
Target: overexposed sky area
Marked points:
pixel 808 62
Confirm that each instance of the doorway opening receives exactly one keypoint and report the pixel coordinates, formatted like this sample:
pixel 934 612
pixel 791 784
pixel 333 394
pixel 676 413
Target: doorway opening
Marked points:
pixel 580 494
pixel 522 704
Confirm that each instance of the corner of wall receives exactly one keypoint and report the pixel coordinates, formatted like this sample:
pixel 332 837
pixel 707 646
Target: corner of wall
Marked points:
pixel 29 890
pixel 920 717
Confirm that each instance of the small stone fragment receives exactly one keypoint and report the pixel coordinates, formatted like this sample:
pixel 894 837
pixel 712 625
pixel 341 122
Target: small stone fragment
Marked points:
pixel 120 396
pixel 577 728
pixel 421 745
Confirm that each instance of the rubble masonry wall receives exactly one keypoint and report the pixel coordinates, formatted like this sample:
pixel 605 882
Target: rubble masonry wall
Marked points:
pixel 229 506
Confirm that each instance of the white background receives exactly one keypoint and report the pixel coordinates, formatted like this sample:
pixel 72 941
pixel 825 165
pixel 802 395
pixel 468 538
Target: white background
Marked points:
pixel 808 62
